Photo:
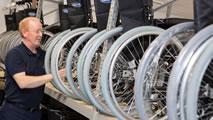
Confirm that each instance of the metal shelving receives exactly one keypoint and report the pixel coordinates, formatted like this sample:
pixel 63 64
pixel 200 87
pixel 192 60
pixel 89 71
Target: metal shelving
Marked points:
pixel 83 108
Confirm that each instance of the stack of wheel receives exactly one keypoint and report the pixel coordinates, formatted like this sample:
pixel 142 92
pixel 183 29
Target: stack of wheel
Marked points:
pixel 146 72
pixel 108 80
pixel 61 46
pixel 7 41
pixel 174 77
pixel 154 71
pixel 139 59
pixel 131 80
pixel 190 83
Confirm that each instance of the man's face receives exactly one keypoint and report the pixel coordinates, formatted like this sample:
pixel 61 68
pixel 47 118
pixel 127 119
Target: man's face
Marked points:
pixel 34 34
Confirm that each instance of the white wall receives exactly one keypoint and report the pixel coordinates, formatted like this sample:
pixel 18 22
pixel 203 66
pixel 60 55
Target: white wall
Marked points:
pixel 3 3
pixel 53 17
pixel 47 6
pixel 182 8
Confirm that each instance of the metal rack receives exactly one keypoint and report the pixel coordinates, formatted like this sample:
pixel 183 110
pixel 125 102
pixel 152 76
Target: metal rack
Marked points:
pixel 81 107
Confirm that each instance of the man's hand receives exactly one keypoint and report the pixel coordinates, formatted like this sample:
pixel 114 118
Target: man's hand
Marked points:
pixel 62 73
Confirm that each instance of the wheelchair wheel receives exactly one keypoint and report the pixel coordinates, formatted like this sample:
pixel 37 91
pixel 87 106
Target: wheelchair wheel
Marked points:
pixel 49 48
pixel 154 70
pixel 177 85
pixel 91 69
pixel 71 63
pixel 59 53
pixel 199 88
pixel 81 61
pixel 119 68
pixel 47 37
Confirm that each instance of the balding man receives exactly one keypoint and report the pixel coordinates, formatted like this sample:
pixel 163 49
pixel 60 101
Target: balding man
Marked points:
pixel 26 76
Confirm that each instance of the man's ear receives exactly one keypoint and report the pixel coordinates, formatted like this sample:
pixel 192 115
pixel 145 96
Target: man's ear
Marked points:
pixel 23 34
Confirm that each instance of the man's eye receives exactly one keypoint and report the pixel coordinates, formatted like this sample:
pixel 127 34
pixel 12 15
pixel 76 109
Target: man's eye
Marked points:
pixel 42 31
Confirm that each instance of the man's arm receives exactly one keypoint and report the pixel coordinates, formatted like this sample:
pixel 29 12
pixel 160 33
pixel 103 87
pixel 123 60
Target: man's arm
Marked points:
pixel 27 81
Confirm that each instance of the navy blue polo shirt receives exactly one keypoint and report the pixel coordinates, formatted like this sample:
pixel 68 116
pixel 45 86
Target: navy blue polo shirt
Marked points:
pixel 21 59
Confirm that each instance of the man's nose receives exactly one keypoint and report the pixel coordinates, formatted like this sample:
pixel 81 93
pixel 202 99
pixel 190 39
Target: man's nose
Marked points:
pixel 40 33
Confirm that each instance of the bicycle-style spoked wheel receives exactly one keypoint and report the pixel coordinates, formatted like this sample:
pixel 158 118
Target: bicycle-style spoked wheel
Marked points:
pixel 58 58
pixel 71 63
pixel 91 69
pixel 199 76
pixel 119 68
pixel 7 41
pixel 4 36
pixel 177 85
pixel 2 66
pixel 47 37
pixel 81 61
pixel 49 47
pixel 154 70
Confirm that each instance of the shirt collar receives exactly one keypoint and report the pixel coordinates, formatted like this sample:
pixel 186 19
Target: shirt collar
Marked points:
pixel 29 52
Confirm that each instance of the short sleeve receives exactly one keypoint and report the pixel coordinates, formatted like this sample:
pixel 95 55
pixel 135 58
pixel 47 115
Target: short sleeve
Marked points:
pixel 14 62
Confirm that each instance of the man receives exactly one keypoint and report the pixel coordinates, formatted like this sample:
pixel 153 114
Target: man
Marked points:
pixel 26 76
